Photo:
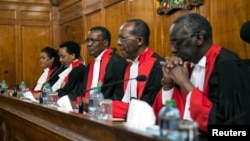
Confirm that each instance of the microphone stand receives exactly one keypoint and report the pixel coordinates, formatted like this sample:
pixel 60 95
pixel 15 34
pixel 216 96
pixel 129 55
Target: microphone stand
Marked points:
pixel 138 78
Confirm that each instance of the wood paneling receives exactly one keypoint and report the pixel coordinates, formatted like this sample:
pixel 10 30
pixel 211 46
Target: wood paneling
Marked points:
pixel 26 27
pixel 37 2
pixel 72 31
pixel 7 47
pixel 36 15
pixel 31 46
pixel 7 14
pixel 114 17
pixel 226 17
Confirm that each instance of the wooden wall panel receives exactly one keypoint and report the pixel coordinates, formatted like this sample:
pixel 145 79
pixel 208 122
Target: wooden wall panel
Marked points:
pixel 37 2
pixel 70 12
pixel 72 31
pixel 36 15
pixel 7 51
pixel 7 14
pixel 31 46
pixel 90 20
pixel 114 17
pixel 226 17
pixel 26 27
pixel 91 2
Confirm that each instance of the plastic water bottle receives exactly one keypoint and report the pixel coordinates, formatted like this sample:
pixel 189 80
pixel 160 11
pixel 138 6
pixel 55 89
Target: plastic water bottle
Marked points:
pixel 169 118
pixel 23 88
pixel 4 87
pixel 45 94
pixel 94 103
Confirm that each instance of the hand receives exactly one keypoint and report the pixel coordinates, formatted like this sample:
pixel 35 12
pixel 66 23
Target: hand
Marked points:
pixel 178 71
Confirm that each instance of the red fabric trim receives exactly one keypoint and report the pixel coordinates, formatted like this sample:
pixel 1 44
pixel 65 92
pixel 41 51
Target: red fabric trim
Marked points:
pixel 120 108
pixel 157 105
pixel 104 61
pixel 90 76
pixel 180 99
pixel 126 77
pixel 144 68
pixel 75 64
pixel 200 105
pixel 51 70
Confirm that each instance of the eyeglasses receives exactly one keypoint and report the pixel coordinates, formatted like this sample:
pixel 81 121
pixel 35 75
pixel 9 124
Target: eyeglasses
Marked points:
pixel 177 43
pixel 122 40
pixel 88 40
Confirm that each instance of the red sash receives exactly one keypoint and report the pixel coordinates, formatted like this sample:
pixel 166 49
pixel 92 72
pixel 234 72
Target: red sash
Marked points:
pixel 75 64
pixel 51 70
pixel 200 105
pixel 145 68
pixel 104 61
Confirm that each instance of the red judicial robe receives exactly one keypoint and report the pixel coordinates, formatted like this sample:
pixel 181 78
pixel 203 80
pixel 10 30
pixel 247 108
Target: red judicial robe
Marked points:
pixel 74 77
pixel 51 77
pixel 149 65
pixel 225 91
pixel 112 68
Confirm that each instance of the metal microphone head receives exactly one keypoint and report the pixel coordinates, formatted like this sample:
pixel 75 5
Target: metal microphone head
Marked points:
pixel 141 77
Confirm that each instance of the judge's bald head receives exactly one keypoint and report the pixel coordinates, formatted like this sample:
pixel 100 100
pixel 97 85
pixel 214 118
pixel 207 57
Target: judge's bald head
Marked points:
pixel 245 32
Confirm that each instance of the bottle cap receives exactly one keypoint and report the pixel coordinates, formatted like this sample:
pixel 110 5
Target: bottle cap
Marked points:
pixel 97 88
pixel 170 103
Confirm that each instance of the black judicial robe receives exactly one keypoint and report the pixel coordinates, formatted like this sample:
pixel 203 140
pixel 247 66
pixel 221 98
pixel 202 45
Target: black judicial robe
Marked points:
pixel 226 93
pixel 54 75
pixel 149 65
pixel 75 76
pixel 112 69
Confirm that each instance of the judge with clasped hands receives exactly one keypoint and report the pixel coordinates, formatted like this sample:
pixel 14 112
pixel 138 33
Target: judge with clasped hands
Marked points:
pixel 208 82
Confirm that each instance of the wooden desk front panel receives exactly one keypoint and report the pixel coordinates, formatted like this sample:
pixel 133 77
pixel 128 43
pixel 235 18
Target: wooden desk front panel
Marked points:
pixel 25 121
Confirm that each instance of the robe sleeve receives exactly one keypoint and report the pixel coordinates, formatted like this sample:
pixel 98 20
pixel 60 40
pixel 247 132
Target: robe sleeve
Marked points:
pixel 75 77
pixel 177 96
pixel 200 107
pixel 119 109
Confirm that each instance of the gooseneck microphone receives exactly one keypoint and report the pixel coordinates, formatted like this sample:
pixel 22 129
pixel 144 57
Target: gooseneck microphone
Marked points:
pixel 138 78
pixel 56 73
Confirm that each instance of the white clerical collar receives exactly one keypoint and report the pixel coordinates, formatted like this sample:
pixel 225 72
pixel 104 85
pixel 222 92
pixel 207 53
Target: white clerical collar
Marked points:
pixel 201 63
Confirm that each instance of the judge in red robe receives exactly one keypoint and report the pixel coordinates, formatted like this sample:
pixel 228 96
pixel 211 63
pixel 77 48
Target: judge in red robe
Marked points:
pixel 209 81
pixel 133 39
pixel 107 67
pixel 73 74
pixel 49 60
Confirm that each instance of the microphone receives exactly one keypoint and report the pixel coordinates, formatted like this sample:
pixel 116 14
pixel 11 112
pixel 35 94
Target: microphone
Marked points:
pixel 6 71
pixel 138 78
pixel 54 74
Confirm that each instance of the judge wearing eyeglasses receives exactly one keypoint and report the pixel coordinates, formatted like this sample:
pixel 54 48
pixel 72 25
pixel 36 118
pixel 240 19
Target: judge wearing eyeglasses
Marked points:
pixel 209 82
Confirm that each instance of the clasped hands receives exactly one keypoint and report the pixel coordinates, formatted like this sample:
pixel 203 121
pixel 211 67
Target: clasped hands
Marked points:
pixel 175 70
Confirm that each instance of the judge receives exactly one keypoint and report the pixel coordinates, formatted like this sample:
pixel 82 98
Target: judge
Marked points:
pixel 106 67
pixel 133 40
pixel 210 83
pixel 69 53
pixel 49 60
